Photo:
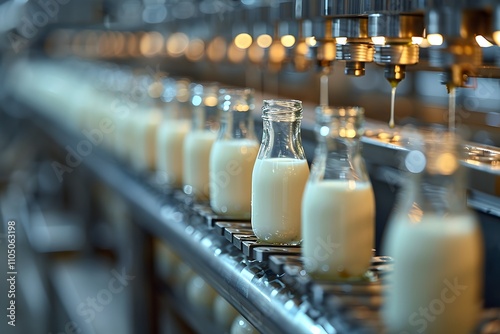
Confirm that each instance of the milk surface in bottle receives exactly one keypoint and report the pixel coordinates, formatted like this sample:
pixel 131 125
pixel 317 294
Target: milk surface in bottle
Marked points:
pixel 279 175
pixel 198 142
pixel 233 155
pixel 338 208
pixel 436 285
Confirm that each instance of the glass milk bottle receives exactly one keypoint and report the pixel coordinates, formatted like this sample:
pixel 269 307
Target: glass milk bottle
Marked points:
pixel 233 155
pixel 338 207
pixel 175 125
pixel 279 175
pixel 198 142
pixel 436 243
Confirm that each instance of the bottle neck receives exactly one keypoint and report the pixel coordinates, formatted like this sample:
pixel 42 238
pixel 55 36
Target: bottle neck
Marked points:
pixel 281 139
pixel 438 193
pixel 206 118
pixel 339 158
pixel 237 125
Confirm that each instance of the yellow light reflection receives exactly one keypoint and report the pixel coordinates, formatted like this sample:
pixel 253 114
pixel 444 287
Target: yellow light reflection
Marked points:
pixel 216 49
pixel 378 40
pixel 311 41
pixel 496 37
pixel 235 54
pixel 288 40
pixel 151 44
pixel 435 39
pixel 277 52
pixel 195 50
pixel 417 40
pixel 243 40
pixel 177 44
pixel 446 163
pixel 483 42
pixel 255 53
pixel 341 40
pixel 210 101
pixel 264 41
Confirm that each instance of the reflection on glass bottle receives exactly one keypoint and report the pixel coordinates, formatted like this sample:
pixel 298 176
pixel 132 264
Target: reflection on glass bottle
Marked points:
pixel 198 142
pixel 435 240
pixel 279 175
pixel 175 125
pixel 233 155
pixel 338 208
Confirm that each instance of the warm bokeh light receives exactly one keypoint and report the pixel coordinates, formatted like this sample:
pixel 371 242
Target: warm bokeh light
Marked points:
pixel 195 50
pixel 132 46
pixel 311 41
pixel 483 42
pixel 277 52
pixel 341 40
pixel 496 37
pixel 235 54
pixel 243 41
pixel 255 53
pixel 288 40
pixel 91 39
pixel 210 101
pixel 417 40
pixel 177 44
pixel 378 40
pixel 264 41
pixel 435 39
pixel 151 44
pixel 216 49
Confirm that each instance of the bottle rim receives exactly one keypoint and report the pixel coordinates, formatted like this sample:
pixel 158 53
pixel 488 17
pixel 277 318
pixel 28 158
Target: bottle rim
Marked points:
pixel 282 109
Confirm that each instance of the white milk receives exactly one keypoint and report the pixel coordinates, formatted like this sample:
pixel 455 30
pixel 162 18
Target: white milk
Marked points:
pixel 231 166
pixel 169 145
pixel 436 285
pixel 277 188
pixel 338 223
pixel 197 146
pixel 144 148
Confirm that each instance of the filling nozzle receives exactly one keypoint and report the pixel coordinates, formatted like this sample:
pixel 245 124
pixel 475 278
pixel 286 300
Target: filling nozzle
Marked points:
pixel 353 45
pixel 396 38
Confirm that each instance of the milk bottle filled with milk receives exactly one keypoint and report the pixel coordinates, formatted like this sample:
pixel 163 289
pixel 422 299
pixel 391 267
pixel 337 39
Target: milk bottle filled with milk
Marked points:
pixel 436 244
pixel 279 175
pixel 198 142
pixel 175 125
pixel 338 207
pixel 233 155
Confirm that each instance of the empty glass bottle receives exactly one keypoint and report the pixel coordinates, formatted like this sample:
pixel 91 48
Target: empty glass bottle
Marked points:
pixel 279 175
pixel 338 208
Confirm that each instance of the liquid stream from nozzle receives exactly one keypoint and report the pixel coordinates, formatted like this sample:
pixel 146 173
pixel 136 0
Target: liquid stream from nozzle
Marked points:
pixel 451 108
pixel 323 87
pixel 394 84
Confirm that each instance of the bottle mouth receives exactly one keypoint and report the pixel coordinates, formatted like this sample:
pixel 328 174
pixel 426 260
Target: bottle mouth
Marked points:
pixel 282 110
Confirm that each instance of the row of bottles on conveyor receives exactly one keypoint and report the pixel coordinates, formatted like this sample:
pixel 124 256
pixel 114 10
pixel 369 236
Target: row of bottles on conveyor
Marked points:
pixel 177 133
